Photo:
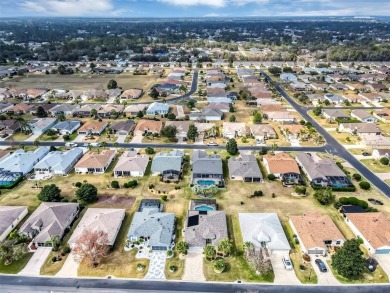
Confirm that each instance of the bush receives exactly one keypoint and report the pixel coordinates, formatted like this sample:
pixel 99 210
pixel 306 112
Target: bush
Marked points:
pixel 360 240
pixel 125 185
pixel 66 249
pixel 151 186
pixel 64 200
pixel 357 177
pixel 115 184
pixel 54 259
pixel 87 193
pixel 169 253
pixel 66 137
pixel 384 161
pixel 50 193
pixel 302 267
pixel 74 200
pixel 364 185
pixel 164 197
pixel 353 201
pixel 258 193
pixel 324 196
pixel 149 151
pixel 132 183
pixel 300 189
pixel 172 268
pixel 78 184
pixel 271 177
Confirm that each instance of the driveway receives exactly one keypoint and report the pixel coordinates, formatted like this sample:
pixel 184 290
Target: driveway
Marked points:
pixel 69 269
pixel 199 141
pixel 137 138
pixel 193 268
pixel 384 261
pixel 33 267
pixel 33 137
pixel 323 278
pixel 180 112
pixel 79 138
pixel 121 138
pixel 157 265
pixel 282 276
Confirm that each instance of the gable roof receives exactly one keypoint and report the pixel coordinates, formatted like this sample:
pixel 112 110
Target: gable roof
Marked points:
pixel 131 161
pixel 97 219
pixel 95 160
pixel 163 161
pixel 58 160
pixel 244 166
pixel 149 125
pixel 92 125
pixel 314 228
pixel 263 227
pixel 206 164
pixel 373 226
pixel 8 215
pixel 319 169
pixel 281 163
pixel 205 225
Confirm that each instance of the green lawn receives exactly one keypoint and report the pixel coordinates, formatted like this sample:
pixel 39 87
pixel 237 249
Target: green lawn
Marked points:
pixel 375 166
pixel 16 266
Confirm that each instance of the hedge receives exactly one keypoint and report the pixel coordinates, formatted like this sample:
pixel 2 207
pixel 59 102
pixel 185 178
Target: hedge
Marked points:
pixel 346 189
pixel 347 121
pixel 364 185
pixel 353 201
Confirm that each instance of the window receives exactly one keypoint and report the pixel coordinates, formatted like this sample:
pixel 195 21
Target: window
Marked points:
pixel 328 242
pixel 338 242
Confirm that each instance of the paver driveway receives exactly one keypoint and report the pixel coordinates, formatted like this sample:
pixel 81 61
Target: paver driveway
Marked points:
pixel 157 265
pixel 33 267
pixel 282 276
pixel 193 268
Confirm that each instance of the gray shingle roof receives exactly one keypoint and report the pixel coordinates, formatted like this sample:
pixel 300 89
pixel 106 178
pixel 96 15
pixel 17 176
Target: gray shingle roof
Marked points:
pixel 245 166
pixel 167 161
pixel 320 169
pixel 206 164
pixel 8 214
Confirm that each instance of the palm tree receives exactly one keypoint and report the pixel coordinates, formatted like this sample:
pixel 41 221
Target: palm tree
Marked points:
pixel 182 247
pixel 209 252
pixel 36 143
pixel 94 113
pixel 22 146
pixel 104 144
pixel 116 144
pixel 225 246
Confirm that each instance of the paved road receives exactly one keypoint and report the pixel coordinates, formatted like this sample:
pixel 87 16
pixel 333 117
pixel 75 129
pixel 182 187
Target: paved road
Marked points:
pixel 333 146
pixel 34 284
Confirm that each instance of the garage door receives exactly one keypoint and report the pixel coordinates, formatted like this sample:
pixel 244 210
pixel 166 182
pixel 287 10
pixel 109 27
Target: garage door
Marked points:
pixel 382 251
pixel 159 248
pixel 315 252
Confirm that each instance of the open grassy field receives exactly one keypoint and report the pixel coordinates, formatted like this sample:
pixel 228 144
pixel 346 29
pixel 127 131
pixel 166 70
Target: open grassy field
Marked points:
pixel 375 166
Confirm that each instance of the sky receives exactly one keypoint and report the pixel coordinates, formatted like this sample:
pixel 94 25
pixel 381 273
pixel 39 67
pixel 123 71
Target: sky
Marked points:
pixel 193 8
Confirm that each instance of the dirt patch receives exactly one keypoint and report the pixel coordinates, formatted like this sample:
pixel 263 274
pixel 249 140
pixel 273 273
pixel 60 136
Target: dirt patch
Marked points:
pixel 116 201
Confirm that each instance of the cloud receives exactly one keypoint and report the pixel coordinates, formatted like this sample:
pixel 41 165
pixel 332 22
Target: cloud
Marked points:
pixel 71 7
pixel 214 3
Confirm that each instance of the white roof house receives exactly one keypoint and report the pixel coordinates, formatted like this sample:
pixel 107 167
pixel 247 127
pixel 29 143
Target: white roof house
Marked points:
pixel 264 228
pixel 157 109
pixel 99 219
pixel 59 163
pixel 40 125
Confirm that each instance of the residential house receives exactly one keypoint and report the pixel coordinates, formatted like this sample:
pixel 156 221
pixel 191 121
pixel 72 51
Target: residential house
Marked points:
pixel 262 132
pixel 334 114
pixel 322 172
pixel 108 221
pixel 168 165
pixel 359 129
pixel 123 127
pixel 288 77
pixel 264 230
pixel 373 229
pixel 319 86
pixel 86 110
pixel 292 132
pixel 156 108
pixel 223 107
pixel 372 97
pixel 49 220
pixel 245 168
pixel 40 125
pixel 380 153
pixel 204 228
pixel 92 128
pixel 181 128
pixel 10 126
pixel 206 130
pixel 133 110
pixel 20 109
pixel 10 217
pixel 110 110
pixel 207 115
pixel 316 233
pixel 338 87
pixel 213 100
pixel 334 99
pixel 283 167
pixel 58 163
pixel 233 129
pixel 113 93
pixel 19 164
pixel 383 115
pixel 152 225
pixel 131 164
pixel 279 116
pixel 363 116
pixel 95 163
pixel 206 169
pixel 148 126
pixel 131 94
pixel 67 127
pixel 66 109
pixel 375 141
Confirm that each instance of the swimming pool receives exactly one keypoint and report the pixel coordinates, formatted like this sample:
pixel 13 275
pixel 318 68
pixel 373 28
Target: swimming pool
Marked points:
pixel 206 182
pixel 204 208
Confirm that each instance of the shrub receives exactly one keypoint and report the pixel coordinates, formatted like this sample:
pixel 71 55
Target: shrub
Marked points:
pixel 50 193
pixel 74 200
pixel 169 253
pixel 337 205
pixel 384 161
pixel 306 257
pixel 115 184
pixel 164 197
pixel 64 200
pixel 364 185
pixel 360 240
pixel 54 259
pixel 149 151
pixel 302 267
pixel 66 249
pixel 132 183
pixel 273 195
pixel 353 201
pixel 78 184
pixel 151 186
pixel 125 185
pixel 271 177
pixel 258 193
pixel 87 193
pixel 357 177
pixel 300 189
pixel 324 196
pixel 66 137
pixel 172 268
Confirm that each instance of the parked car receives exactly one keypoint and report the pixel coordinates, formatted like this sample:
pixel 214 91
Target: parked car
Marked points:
pixel 366 154
pixel 287 263
pixel 321 265
pixel 71 144
pixel 4 135
pixel 211 143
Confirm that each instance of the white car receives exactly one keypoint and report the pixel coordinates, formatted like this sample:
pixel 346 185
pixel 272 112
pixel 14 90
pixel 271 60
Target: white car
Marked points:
pixel 287 263
pixel 211 143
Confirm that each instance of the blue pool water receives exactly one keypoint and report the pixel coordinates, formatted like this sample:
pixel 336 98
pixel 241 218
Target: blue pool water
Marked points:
pixel 206 182
pixel 203 208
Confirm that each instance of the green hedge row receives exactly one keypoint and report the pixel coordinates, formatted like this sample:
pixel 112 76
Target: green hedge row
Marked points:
pixel 346 189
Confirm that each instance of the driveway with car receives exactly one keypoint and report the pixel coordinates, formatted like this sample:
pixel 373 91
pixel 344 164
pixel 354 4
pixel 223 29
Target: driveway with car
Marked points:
pixel 33 267
pixel 282 276
pixel 326 278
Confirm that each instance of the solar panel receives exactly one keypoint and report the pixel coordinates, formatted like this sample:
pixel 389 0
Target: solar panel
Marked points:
pixel 193 221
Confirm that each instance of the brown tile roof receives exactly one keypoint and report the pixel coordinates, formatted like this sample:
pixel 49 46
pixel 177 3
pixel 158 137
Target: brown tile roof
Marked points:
pixel 273 108
pixel 132 93
pixel 373 226
pixel 95 160
pixel 94 125
pixel 149 125
pixel 294 128
pixel 315 228
pixel 281 163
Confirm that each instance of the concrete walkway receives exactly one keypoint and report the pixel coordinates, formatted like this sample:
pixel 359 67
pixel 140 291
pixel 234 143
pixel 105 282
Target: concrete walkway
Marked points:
pixel 193 268
pixel 33 267
pixel 69 269
pixel 157 265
